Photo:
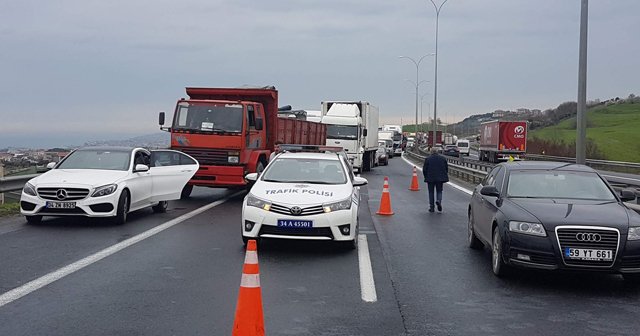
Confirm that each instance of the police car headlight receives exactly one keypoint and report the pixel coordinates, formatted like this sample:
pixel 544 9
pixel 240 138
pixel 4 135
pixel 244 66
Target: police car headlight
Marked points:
pixel 105 190
pixel 258 203
pixel 342 205
pixel 534 229
pixel 29 189
pixel 634 233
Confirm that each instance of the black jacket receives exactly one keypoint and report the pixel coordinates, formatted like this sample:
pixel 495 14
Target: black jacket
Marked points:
pixel 435 169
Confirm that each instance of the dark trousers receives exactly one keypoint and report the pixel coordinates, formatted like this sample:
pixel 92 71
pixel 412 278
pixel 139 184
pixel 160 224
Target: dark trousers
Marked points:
pixel 438 187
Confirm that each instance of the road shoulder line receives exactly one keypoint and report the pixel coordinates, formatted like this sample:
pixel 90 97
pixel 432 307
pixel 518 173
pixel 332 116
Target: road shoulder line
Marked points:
pixel 367 284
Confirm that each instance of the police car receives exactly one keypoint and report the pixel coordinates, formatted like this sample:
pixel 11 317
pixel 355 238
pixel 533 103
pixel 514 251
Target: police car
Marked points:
pixel 308 195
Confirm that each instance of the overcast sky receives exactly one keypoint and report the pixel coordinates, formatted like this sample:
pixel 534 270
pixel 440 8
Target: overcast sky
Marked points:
pixel 76 70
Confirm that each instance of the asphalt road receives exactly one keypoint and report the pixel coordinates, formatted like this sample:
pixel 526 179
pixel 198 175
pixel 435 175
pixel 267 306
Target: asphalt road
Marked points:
pixel 184 280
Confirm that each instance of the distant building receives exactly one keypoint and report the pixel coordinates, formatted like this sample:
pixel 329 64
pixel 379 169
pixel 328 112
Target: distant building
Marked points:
pixel 498 114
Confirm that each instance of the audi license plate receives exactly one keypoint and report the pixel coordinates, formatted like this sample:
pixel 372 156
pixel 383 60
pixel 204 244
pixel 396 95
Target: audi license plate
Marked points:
pixel 61 205
pixel 588 254
pixel 295 224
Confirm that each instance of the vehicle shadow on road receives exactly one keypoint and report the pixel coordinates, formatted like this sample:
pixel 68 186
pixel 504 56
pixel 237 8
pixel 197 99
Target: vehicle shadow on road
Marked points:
pixel 297 248
pixel 78 222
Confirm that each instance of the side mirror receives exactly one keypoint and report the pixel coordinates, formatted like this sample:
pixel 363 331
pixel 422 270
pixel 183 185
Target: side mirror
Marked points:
pixel 140 168
pixel 259 124
pixel 252 177
pixel 161 118
pixel 364 132
pixel 627 195
pixel 51 165
pixel 359 181
pixel 490 190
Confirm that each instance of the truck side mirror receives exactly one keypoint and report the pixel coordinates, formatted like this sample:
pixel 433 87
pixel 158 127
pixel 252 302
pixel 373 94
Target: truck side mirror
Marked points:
pixel 259 124
pixel 364 132
pixel 161 118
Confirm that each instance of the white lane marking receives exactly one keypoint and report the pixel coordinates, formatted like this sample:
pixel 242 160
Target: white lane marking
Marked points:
pixel 47 279
pixel 455 186
pixel 367 284
pixel 620 177
pixel 367 232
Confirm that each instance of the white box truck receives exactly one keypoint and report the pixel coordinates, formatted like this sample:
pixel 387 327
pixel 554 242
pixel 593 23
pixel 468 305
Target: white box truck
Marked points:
pixel 353 125
pixel 397 137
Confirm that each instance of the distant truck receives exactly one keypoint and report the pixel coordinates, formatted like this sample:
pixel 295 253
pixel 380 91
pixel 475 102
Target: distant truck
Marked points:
pixel 232 132
pixel 449 139
pixel 439 138
pixel 397 137
pixel 353 125
pixel 500 140
pixel 387 137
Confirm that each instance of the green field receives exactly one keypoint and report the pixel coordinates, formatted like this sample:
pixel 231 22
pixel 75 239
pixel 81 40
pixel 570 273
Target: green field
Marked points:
pixel 615 129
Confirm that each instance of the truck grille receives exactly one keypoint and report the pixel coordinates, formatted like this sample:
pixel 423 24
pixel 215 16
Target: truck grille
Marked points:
pixel 609 240
pixel 72 194
pixel 208 157
pixel 285 210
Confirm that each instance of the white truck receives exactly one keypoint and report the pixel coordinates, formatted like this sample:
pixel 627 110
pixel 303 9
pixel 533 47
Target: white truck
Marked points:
pixel 397 137
pixel 353 125
pixel 387 137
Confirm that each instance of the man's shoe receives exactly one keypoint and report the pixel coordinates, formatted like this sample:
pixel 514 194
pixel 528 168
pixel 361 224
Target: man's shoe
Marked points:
pixel 431 209
pixel 439 206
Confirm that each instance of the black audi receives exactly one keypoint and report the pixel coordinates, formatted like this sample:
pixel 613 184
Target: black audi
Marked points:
pixel 554 216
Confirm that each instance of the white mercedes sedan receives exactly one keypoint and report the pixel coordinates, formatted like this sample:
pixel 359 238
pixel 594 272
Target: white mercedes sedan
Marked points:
pixel 304 195
pixel 107 182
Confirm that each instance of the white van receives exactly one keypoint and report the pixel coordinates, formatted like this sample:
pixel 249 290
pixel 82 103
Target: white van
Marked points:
pixel 463 147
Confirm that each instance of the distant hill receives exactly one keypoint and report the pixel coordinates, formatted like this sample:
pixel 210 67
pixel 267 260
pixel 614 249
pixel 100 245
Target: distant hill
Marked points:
pixel 155 140
pixel 614 129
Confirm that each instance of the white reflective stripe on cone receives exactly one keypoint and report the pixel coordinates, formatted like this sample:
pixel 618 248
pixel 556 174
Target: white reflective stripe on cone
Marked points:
pixel 251 258
pixel 250 281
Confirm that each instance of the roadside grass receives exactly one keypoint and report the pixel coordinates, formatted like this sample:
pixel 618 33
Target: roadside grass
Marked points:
pixel 9 209
pixel 615 129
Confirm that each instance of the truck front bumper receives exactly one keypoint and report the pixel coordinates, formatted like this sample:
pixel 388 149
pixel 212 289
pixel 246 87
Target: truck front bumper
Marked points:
pixel 219 177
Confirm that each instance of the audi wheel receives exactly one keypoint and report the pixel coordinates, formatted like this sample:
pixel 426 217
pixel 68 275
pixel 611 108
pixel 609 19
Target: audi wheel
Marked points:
pixel 497 262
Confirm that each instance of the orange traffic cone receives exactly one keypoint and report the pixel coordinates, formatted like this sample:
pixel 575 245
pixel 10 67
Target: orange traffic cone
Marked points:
pixel 385 202
pixel 249 320
pixel 414 181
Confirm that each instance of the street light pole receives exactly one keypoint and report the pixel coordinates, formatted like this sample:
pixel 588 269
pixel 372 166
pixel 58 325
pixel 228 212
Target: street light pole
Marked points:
pixel 435 83
pixel 417 64
pixel 581 122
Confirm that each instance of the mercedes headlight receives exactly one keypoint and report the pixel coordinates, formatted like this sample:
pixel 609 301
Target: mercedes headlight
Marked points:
pixel 105 190
pixel 634 233
pixel 534 229
pixel 29 189
pixel 342 205
pixel 258 203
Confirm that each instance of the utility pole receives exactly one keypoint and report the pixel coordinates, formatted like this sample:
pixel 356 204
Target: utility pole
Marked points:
pixel 1 176
pixel 581 122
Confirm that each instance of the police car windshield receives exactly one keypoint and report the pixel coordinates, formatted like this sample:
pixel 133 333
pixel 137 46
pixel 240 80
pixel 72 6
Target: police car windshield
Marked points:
pixel 298 170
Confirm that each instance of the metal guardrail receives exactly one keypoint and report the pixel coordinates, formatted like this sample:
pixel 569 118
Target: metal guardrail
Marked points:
pixel 13 183
pixel 615 166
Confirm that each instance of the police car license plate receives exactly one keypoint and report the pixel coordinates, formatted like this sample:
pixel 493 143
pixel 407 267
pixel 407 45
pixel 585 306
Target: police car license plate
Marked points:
pixel 588 254
pixel 295 224
pixel 61 205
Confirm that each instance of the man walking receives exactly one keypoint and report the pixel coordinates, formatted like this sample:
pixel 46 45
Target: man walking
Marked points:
pixel 436 173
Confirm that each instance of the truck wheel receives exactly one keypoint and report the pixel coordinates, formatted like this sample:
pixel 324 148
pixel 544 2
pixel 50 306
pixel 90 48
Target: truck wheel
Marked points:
pixel 161 207
pixel 186 191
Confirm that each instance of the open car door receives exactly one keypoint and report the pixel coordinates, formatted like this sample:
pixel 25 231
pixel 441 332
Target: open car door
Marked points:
pixel 171 170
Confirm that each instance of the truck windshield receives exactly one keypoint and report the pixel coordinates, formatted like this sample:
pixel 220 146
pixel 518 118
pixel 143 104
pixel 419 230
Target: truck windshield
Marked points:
pixel 209 117
pixel 342 132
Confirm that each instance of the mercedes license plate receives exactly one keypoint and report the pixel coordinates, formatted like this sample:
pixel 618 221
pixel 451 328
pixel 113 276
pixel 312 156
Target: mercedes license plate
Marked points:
pixel 295 224
pixel 588 254
pixel 61 205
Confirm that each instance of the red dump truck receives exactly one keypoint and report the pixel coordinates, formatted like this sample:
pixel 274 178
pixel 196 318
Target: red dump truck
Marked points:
pixel 500 140
pixel 232 132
